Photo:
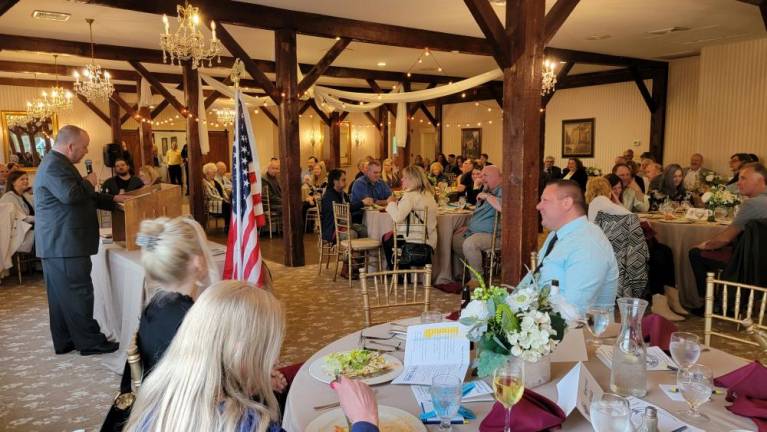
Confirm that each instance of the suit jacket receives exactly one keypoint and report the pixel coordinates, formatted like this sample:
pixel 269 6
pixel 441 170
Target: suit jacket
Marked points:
pixel 554 173
pixel 65 210
pixel 579 176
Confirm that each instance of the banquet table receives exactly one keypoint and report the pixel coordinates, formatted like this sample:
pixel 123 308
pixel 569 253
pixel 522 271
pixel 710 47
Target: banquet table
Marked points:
pixel 307 392
pixel 681 237
pixel 118 286
pixel 379 223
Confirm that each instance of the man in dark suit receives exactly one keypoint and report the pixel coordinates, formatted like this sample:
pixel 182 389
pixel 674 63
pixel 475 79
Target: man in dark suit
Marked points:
pixel 66 235
pixel 551 172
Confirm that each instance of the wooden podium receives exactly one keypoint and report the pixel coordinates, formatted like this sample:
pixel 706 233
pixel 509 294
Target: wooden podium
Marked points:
pixel 146 203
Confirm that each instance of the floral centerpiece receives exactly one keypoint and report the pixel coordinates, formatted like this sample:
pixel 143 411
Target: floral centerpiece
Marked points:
pixel 527 323
pixel 720 196
pixel 593 171
pixel 707 181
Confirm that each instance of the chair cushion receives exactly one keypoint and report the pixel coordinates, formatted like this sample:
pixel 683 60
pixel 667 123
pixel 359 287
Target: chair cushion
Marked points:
pixel 361 244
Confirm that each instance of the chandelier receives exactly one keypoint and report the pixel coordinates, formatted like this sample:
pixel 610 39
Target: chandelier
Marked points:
pixel 96 84
pixel 38 109
pixel 58 99
pixel 188 42
pixel 21 120
pixel 549 78
pixel 225 116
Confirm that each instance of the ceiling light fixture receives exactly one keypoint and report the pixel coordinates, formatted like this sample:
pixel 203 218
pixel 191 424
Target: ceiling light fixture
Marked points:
pixel 51 16
pixel 548 78
pixel 58 99
pixel 188 42
pixel 381 64
pixel 601 36
pixel 96 84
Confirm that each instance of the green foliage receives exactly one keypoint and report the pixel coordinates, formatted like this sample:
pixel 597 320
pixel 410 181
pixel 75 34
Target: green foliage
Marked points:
pixel 487 362
pixel 559 324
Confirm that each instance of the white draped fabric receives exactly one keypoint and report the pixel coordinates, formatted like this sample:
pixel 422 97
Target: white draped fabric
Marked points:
pixel 145 96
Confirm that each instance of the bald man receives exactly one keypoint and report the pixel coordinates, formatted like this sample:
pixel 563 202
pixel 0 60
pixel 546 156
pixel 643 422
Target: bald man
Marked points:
pixel 469 241
pixel 695 173
pixel 66 235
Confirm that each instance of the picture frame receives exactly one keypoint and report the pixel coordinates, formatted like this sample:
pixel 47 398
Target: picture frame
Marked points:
pixel 471 142
pixel 163 139
pixel 578 138
pixel 346 144
pixel 26 144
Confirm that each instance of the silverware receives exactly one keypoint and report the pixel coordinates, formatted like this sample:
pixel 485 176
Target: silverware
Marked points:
pixel 327 406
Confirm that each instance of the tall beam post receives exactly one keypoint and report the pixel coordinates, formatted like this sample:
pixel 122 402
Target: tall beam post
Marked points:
pixel 334 156
pixel 520 136
pixel 438 125
pixel 114 121
pixel 196 198
pixel 290 151
pixel 146 140
pixel 658 117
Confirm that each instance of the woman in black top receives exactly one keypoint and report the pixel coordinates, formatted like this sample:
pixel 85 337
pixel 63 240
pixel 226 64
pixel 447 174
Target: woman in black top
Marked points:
pixel 576 172
pixel 672 189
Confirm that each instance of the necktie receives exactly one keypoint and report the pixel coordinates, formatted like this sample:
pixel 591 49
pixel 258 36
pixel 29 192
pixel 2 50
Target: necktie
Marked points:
pixel 548 251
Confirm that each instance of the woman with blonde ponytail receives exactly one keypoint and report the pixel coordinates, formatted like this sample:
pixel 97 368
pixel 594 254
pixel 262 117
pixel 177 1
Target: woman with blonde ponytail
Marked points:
pixel 216 374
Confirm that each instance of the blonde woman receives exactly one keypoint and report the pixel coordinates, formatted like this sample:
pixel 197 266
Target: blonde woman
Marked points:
pixel 601 197
pixel 389 176
pixel 216 374
pixel 436 175
pixel 418 195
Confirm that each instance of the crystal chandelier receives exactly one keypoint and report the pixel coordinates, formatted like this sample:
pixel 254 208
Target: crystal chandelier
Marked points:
pixel 225 116
pixel 21 120
pixel 58 99
pixel 38 109
pixel 188 42
pixel 549 78
pixel 96 84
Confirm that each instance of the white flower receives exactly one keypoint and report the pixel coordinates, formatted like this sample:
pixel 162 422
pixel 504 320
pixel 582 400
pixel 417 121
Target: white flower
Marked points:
pixel 706 197
pixel 476 309
pixel 521 299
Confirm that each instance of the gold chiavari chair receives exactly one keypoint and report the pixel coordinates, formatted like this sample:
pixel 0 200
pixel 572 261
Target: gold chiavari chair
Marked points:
pixel 383 290
pixel 491 262
pixel 327 249
pixel 273 220
pixel 346 247
pixel 734 298
pixel 414 230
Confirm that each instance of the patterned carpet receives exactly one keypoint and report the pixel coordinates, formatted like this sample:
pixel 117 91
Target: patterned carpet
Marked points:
pixel 40 391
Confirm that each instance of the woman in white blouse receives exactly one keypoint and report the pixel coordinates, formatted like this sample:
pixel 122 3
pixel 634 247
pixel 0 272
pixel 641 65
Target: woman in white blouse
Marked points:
pixel 418 195
pixel 19 194
pixel 603 194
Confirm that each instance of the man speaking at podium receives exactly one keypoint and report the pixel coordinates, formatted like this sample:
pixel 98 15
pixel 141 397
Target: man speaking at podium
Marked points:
pixel 66 235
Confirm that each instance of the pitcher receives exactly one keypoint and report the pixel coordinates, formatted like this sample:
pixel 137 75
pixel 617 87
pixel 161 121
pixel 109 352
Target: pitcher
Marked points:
pixel 628 376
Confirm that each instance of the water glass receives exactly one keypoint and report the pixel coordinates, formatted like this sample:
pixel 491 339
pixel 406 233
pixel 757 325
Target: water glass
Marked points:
pixel 685 349
pixel 509 386
pixel 462 201
pixel 598 318
pixel 431 317
pixel 445 393
pixel 696 384
pixel 610 413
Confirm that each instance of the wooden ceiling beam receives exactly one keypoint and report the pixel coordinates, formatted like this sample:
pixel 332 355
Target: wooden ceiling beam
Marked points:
pixel 422 106
pixel 651 105
pixel 255 73
pixel 271 116
pixel 95 109
pixel 492 28
pixel 376 88
pixel 30 82
pixel 271 18
pixel 158 87
pixel 322 65
pixel 6 5
pixel 600 59
pixel 372 120
pixel 125 105
pixel 557 16
pixel 319 112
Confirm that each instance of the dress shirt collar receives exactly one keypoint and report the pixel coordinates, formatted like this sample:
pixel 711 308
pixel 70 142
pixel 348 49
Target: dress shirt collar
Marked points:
pixel 571 226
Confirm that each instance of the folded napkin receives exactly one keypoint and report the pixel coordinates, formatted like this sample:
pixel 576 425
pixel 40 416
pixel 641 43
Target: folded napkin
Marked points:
pixel 657 330
pixel 453 316
pixel 755 409
pixel 532 413
pixel 749 381
pixel 450 287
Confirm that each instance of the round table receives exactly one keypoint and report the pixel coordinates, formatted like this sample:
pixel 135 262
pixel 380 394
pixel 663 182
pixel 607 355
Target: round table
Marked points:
pixel 681 237
pixel 379 223
pixel 307 392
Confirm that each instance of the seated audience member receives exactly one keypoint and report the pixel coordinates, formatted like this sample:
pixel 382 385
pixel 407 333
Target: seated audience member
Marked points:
pixel 442 161
pixel 334 193
pixel 219 368
pixel 620 160
pixel 647 155
pixel 695 173
pixel 452 165
pixel 224 177
pixel 123 181
pixel 458 164
pixel 3 177
pixel 628 155
pixel 672 189
pixel 391 178
pixel 20 195
pixel 469 241
pixel 465 183
pixel 751 183
pixel 148 175
pixel 310 163
pixel 602 197
pixel 736 162
pixel 362 169
pixel 418 195
pixel 551 172
pixel 633 199
pixel 217 200
pixel 576 172
pixel 311 190
pixel 436 176
pixel 418 161
pixel 369 186
pixel 642 173
pixel 484 160
pixel 271 181
pixel 653 173
pixel 576 253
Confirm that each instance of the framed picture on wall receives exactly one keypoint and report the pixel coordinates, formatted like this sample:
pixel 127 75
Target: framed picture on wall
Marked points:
pixel 471 142
pixel 578 138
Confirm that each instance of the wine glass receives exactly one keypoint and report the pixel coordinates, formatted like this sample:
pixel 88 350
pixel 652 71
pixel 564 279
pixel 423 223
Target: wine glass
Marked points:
pixel 597 320
pixel 685 349
pixel 696 384
pixel 610 413
pixel 445 393
pixel 509 386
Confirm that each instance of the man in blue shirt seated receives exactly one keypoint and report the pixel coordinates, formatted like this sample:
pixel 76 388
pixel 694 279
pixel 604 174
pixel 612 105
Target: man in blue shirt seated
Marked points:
pixel 469 241
pixel 368 190
pixel 576 253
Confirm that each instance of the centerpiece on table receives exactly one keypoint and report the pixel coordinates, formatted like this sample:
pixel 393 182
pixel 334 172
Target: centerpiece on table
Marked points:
pixel 593 172
pixel 526 322
pixel 720 201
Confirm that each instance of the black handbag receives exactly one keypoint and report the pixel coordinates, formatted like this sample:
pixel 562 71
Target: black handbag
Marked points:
pixel 415 254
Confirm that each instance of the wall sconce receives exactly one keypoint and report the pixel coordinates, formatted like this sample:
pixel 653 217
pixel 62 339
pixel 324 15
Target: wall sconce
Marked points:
pixel 315 137
pixel 358 138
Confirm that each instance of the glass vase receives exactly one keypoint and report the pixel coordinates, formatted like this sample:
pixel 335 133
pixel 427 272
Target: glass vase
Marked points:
pixel 628 376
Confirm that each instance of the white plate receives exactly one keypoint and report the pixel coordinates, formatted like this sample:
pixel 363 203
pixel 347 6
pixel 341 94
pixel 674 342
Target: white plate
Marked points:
pixel 390 420
pixel 317 371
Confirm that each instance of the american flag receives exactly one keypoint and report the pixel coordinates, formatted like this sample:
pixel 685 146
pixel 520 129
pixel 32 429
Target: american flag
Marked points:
pixel 243 253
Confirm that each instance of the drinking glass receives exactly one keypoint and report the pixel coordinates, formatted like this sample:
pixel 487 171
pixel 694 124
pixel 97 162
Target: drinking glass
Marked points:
pixel 610 413
pixel 597 320
pixel 462 201
pixel 685 349
pixel 431 317
pixel 696 384
pixel 509 386
pixel 445 393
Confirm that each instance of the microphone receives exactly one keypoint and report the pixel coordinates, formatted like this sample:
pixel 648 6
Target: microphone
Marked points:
pixel 88 166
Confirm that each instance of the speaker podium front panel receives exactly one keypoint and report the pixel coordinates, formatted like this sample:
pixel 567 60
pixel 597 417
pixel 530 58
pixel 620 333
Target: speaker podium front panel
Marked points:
pixel 146 203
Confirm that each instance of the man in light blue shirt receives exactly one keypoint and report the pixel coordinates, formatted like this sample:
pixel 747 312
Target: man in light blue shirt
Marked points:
pixel 576 253
pixel 369 189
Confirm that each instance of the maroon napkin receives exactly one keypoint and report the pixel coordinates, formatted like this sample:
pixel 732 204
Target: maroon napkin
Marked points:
pixel 291 371
pixel 657 330
pixel 532 413
pixel 453 316
pixel 749 381
pixel 450 287
pixel 755 409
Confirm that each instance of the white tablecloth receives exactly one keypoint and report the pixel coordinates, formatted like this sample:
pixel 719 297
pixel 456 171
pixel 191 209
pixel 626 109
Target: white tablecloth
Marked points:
pixel 379 223
pixel 118 283
pixel 306 392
